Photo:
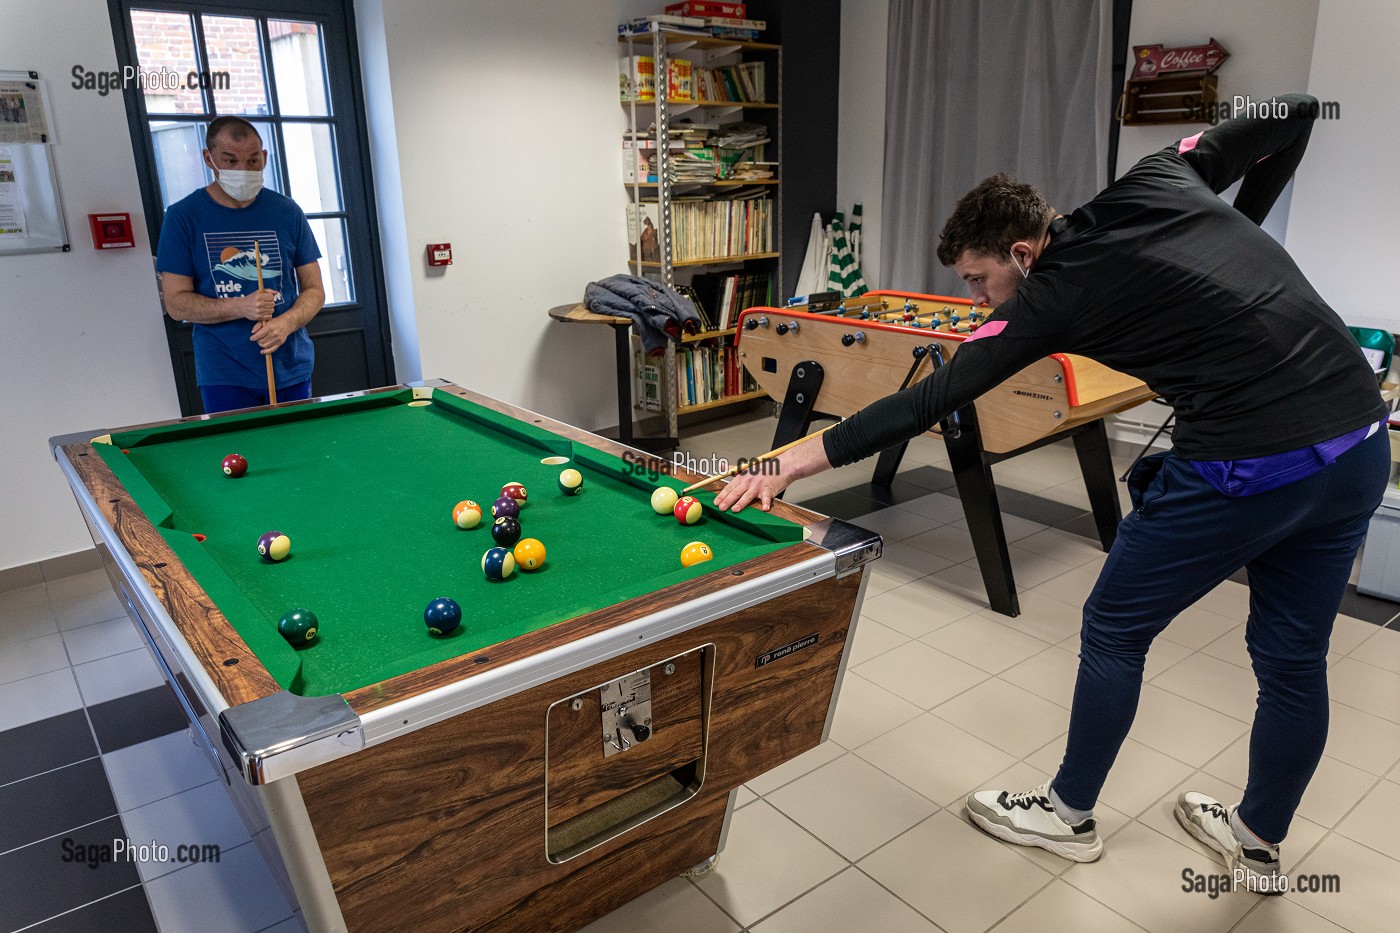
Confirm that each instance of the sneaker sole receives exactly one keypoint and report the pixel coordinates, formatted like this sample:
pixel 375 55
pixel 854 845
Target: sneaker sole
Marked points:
pixel 1075 853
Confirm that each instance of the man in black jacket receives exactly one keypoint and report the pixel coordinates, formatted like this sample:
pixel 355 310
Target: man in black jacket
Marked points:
pixel 1279 452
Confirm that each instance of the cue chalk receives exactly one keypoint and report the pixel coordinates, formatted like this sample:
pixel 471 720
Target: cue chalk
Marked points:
pixel 271 382
pixel 768 456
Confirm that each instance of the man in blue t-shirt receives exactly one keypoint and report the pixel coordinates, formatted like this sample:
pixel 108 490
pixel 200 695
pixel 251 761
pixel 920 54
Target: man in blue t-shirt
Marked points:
pixel 210 247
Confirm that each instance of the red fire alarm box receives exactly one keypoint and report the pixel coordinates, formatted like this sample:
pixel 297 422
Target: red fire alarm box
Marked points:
pixel 439 254
pixel 111 231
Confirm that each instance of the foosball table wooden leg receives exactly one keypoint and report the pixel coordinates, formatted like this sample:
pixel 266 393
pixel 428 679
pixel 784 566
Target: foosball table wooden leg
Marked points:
pixel 1096 463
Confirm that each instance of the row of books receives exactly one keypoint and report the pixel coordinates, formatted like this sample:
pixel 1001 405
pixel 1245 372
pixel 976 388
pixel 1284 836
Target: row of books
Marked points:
pixel 702 229
pixel 720 297
pixel 686 82
pixel 703 374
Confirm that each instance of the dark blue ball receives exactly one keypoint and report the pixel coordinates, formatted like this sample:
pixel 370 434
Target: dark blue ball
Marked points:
pixel 505 531
pixel 442 616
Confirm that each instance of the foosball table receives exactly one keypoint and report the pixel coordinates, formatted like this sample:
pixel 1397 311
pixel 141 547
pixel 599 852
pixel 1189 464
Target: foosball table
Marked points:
pixel 836 359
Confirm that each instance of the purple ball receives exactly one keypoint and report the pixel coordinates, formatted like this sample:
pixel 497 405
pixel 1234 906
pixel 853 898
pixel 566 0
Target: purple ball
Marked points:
pixel 505 507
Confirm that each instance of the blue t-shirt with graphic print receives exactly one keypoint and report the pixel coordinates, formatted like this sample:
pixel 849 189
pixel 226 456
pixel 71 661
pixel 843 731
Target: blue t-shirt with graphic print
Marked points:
pixel 213 244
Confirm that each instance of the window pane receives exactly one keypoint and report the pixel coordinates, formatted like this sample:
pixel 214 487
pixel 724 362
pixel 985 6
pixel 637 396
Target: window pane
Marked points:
pixel 165 48
pixel 311 165
pixel 234 45
pixel 335 259
pixel 179 162
pixel 299 66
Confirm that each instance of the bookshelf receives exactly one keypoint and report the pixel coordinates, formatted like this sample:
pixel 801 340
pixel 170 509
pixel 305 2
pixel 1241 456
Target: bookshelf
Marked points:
pixel 704 184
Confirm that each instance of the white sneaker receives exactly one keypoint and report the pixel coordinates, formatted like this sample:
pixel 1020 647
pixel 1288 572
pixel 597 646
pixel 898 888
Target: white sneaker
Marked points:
pixel 1208 820
pixel 1030 819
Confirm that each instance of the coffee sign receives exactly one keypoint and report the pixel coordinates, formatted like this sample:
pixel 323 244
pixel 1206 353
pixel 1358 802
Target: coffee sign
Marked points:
pixel 1153 61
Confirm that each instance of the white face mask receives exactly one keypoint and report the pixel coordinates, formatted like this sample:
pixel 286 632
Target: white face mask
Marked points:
pixel 240 185
pixel 1024 273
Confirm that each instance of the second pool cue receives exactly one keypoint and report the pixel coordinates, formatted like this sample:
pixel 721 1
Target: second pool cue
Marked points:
pixel 768 456
pixel 271 381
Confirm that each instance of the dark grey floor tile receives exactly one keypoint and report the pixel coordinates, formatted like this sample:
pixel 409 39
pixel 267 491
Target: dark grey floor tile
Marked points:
pixel 55 802
pixel 127 912
pixel 48 878
pixel 136 718
pixel 44 745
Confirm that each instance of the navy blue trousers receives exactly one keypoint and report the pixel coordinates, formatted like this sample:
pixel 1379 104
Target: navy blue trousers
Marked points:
pixel 231 398
pixel 1297 544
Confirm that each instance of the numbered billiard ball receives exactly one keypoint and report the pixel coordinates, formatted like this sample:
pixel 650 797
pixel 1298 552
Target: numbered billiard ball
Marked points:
pixel 235 465
pixel 505 507
pixel 497 563
pixel 663 500
pixel 687 510
pixel 274 546
pixel 529 554
pixel 442 616
pixel 514 491
pixel 466 514
pixel 505 531
pixel 298 626
pixel 570 482
pixel 695 552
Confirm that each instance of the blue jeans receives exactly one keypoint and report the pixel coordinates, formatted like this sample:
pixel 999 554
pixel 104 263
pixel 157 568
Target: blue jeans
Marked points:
pixel 230 398
pixel 1297 544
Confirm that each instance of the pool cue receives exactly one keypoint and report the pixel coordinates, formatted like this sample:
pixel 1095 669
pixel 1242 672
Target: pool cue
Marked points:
pixel 768 456
pixel 271 382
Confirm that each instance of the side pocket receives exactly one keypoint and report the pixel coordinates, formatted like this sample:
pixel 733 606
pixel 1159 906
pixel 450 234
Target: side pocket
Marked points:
pixel 1146 480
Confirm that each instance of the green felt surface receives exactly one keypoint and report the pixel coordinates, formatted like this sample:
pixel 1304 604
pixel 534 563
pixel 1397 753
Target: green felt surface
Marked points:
pixel 365 488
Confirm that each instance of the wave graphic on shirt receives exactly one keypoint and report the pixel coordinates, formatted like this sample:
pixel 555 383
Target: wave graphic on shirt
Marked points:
pixel 243 265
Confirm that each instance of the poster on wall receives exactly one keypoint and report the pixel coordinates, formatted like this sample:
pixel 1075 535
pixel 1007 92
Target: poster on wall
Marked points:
pixel 24 115
pixel 11 207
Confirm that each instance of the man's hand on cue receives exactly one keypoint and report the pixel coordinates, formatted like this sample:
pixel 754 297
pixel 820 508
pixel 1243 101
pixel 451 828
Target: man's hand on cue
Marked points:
pixel 761 482
pixel 271 334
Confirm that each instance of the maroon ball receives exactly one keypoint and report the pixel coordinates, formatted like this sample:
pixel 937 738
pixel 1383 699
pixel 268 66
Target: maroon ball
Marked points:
pixel 235 465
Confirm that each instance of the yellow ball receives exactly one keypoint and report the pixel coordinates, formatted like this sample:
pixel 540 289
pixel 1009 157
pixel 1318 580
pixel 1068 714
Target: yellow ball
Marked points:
pixel 696 552
pixel 664 500
pixel 529 554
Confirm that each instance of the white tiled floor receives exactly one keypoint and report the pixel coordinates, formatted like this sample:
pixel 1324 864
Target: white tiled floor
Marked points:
pixel 866 832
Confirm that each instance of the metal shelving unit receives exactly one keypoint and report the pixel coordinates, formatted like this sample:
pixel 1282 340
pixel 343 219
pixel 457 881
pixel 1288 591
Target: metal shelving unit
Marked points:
pixel 663 46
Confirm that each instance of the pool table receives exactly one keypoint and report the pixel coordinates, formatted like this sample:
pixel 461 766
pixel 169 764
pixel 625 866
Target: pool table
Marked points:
pixel 577 741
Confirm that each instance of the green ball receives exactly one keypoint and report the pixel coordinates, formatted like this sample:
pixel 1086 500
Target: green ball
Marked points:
pixel 298 626
pixel 570 482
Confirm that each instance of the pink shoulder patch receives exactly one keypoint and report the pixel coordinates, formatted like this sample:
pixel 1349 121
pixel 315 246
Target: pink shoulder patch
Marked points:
pixel 1187 144
pixel 989 329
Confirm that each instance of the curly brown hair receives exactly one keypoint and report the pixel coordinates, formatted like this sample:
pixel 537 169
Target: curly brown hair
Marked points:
pixel 992 216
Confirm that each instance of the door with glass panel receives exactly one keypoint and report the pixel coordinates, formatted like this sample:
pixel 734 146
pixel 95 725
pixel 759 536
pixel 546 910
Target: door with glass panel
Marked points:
pixel 292 70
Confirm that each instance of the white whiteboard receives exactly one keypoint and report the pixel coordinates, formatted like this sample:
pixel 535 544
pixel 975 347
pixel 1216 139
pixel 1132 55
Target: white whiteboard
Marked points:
pixel 36 184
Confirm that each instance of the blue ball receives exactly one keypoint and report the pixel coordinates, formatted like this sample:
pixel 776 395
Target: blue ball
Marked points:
pixel 442 616
pixel 497 563
pixel 505 507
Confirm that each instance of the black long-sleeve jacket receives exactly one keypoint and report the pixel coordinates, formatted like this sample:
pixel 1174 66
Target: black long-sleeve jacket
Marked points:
pixel 1159 278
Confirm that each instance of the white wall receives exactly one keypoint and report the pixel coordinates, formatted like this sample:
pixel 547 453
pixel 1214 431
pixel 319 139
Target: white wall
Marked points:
pixel 82 345
pixel 861 123
pixel 1342 228
pixel 507 136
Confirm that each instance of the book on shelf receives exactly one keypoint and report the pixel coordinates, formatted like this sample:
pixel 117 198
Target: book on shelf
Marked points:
pixel 707 374
pixel 637 78
pixel 643 231
pixel 707 8
pixel 743 35
pixel 736 22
